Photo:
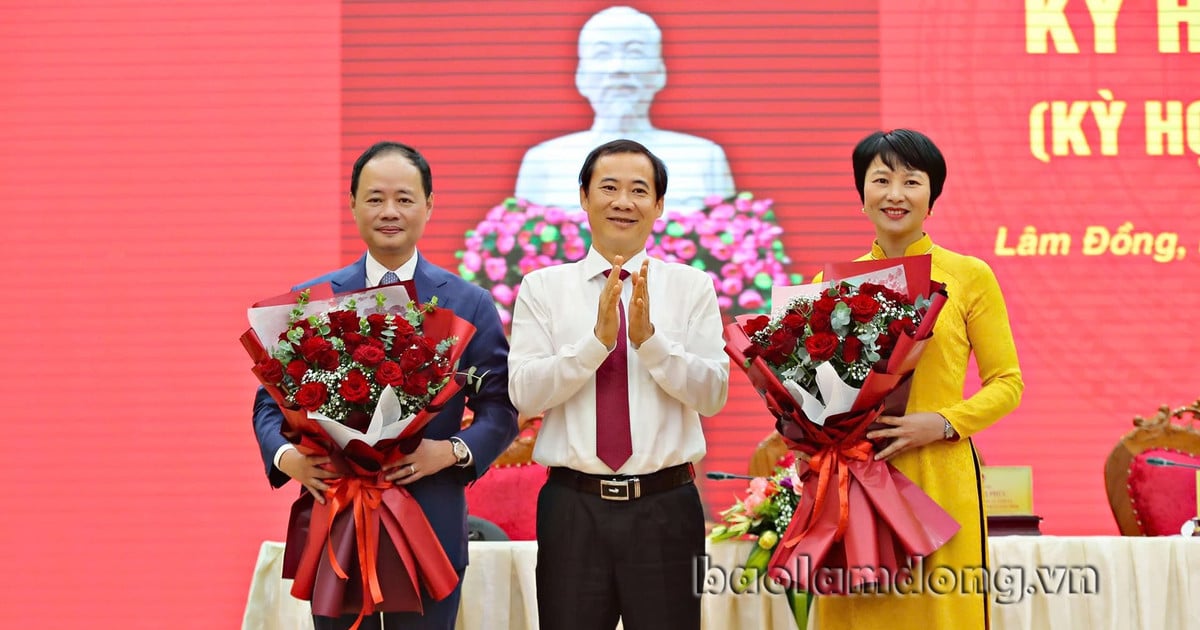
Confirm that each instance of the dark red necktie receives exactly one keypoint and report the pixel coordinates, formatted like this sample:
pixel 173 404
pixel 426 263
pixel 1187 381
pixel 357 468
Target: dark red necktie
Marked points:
pixel 613 442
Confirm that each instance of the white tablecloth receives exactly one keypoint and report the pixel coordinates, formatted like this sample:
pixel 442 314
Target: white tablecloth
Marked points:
pixel 1050 582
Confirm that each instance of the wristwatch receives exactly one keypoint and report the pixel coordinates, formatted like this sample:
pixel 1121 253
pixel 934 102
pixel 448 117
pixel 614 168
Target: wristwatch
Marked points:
pixel 948 431
pixel 462 454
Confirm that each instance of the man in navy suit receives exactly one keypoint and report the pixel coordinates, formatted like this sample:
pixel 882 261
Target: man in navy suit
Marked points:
pixel 391 198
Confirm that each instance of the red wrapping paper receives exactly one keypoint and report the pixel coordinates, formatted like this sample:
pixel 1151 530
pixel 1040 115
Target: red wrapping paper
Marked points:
pixel 860 522
pixel 370 547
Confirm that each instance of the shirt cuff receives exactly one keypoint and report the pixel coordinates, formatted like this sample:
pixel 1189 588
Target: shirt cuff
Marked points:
pixel 654 350
pixel 279 454
pixel 590 352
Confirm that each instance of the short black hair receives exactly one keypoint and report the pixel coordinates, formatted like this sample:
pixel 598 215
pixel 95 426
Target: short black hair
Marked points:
pixel 624 146
pixel 381 148
pixel 900 147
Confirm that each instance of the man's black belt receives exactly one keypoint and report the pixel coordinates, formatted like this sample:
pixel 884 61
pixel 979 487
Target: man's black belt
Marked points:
pixel 625 487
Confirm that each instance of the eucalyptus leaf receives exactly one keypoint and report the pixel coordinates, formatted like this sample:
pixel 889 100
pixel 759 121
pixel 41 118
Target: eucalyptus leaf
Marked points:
pixel 839 319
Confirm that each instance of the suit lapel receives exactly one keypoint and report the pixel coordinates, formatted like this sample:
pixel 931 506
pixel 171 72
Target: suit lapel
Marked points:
pixel 429 279
pixel 351 278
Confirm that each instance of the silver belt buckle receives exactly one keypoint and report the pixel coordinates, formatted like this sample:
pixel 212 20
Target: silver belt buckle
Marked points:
pixel 622 490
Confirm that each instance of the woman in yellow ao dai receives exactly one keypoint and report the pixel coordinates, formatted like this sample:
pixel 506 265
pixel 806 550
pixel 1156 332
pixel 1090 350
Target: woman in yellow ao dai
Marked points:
pixel 899 175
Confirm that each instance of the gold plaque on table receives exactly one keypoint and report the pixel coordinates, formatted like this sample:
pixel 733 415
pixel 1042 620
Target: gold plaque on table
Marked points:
pixel 1008 490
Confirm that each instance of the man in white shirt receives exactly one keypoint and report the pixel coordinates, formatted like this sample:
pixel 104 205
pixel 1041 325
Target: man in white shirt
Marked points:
pixel 619 521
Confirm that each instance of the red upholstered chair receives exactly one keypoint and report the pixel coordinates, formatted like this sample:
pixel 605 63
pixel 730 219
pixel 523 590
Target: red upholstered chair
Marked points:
pixel 1149 500
pixel 507 494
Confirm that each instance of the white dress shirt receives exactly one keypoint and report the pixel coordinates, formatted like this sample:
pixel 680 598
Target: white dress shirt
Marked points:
pixel 375 269
pixel 675 376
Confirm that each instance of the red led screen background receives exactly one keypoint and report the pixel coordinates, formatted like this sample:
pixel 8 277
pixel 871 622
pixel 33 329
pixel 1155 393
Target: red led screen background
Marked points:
pixel 165 164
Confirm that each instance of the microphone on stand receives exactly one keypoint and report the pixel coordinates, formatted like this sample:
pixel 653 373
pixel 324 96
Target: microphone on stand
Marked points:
pixel 724 476
pixel 1159 461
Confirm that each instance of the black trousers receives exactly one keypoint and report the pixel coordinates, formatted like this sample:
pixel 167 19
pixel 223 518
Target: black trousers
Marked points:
pixel 438 616
pixel 601 560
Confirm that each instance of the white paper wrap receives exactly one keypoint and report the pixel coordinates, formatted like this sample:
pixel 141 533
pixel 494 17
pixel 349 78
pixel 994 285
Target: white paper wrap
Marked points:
pixel 269 322
pixel 838 395
pixel 386 422
pixel 782 296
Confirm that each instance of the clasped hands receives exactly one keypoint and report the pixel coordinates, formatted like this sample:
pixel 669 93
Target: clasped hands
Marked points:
pixel 312 471
pixel 608 317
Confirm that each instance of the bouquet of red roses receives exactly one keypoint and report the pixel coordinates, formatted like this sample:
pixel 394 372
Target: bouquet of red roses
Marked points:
pixel 828 364
pixel 357 378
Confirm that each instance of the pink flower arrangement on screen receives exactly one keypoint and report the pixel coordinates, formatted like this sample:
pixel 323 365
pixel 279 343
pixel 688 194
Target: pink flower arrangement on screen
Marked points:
pixel 735 240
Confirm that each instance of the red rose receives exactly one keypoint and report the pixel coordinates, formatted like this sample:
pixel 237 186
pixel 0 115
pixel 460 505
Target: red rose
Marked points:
pixel 417 354
pixel 870 288
pixel 794 321
pixel 403 328
pixel 781 344
pixel 885 342
pixel 303 326
pixel 862 308
pixel 377 322
pixel 440 370
pixel 426 345
pixel 416 384
pixel 401 344
pixel 313 347
pixel 755 324
pixel 369 355
pixel 353 340
pixel 355 388
pixel 342 322
pixel 851 349
pixel 825 305
pixel 328 360
pixel 819 322
pixel 389 373
pixel 311 396
pixel 271 370
pixel 296 369
pixel 821 346
pixel 902 326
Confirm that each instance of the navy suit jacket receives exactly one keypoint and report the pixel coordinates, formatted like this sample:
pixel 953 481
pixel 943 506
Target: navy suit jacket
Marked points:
pixel 495 424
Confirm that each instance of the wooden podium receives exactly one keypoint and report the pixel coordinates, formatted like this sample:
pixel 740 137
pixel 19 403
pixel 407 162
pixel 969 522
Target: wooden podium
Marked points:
pixel 1014 525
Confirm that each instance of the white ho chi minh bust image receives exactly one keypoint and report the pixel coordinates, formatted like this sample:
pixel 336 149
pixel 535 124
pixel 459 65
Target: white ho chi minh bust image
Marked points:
pixel 620 70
